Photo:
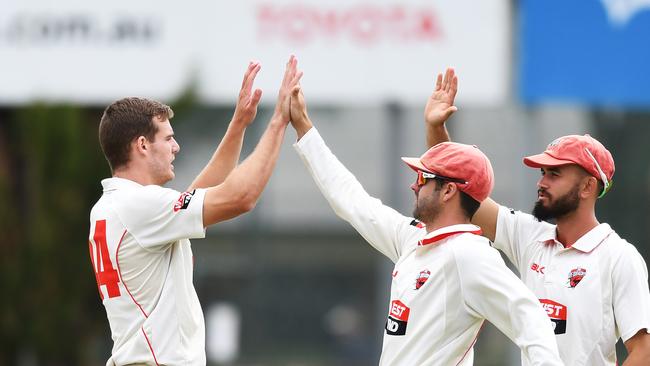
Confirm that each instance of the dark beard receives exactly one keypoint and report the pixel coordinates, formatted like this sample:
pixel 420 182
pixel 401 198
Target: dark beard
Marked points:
pixel 426 213
pixel 562 206
pixel 416 213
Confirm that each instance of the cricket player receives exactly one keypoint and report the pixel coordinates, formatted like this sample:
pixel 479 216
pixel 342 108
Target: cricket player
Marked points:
pixel 447 279
pixel 139 231
pixel 592 283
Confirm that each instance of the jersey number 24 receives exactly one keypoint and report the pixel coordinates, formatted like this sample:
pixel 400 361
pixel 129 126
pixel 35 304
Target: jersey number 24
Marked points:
pixel 105 274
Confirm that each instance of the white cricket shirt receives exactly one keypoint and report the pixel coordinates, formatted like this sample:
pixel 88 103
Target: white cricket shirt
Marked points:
pixel 595 292
pixel 143 263
pixel 445 283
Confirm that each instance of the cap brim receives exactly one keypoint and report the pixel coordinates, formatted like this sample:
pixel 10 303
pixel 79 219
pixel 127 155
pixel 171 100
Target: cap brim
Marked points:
pixel 544 159
pixel 415 164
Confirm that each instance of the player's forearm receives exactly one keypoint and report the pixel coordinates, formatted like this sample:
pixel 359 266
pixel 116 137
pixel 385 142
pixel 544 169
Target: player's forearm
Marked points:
pixel 436 134
pixel 252 175
pixel 637 359
pixel 224 159
pixel 638 348
pixel 240 191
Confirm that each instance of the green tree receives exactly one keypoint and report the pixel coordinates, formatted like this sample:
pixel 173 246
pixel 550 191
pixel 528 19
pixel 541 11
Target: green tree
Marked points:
pixel 50 168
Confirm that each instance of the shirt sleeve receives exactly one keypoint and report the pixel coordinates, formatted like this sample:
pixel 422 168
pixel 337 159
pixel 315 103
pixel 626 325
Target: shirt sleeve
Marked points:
pixel 491 291
pixel 516 231
pixel 631 296
pixel 158 216
pixel 383 227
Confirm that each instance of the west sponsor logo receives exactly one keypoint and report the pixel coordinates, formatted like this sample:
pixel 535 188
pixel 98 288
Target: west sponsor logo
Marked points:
pixel 557 313
pixel 398 316
pixel 183 201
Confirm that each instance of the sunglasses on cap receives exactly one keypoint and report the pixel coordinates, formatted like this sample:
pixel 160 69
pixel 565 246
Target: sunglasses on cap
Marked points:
pixel 607 184
pixel 423 176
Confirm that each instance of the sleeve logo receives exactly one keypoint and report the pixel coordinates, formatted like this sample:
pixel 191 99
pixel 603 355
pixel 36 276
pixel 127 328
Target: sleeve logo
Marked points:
pixel 183 201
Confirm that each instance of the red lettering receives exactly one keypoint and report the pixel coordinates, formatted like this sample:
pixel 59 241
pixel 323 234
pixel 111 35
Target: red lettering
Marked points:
pixel 364 24
pixel 427 27
pixel 399 311
pixel 553 309
pixel 537 268
pixel 105 274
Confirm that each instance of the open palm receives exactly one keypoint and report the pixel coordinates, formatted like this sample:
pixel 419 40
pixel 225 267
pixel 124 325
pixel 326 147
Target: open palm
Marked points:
pixel 440 105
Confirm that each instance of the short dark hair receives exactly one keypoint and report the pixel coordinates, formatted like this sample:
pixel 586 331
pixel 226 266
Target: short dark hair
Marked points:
pixel 125 120
pixel 600 183
pixel 467 203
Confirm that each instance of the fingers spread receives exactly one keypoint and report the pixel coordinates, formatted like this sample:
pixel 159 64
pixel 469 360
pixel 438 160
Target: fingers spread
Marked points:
pixel 449 75
pixel 454 86
pixel 257 95
pixel 439 82
pixel 249 77
pixel 296 78
pixel 445 80
pixel 290 70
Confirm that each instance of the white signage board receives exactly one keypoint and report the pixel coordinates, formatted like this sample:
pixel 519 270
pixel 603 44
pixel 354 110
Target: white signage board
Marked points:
pixel 351 51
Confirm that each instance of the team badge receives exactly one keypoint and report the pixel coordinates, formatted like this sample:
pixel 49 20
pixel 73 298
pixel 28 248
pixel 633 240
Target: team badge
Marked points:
pixel 423 276
pixel 575 276
pixel 183 201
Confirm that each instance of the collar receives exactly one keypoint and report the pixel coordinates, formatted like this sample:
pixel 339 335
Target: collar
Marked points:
pixel 111 184
pixel 447 231
pixel 593 238
pixel 586 243
pixel 548 236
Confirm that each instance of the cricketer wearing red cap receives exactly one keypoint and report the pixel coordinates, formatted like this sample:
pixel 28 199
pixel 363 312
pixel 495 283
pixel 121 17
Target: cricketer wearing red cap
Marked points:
pixel 447 279
pixel 592 283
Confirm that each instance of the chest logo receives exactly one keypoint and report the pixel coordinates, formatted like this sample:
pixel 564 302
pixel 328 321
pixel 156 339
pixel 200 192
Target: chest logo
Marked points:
pixel 398 316
pixel 557 313
pixel 537 268
pixel 575 276
pixel 423 276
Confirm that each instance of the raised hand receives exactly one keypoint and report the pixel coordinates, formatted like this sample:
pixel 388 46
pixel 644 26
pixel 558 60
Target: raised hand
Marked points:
pixel 246 108
pixel 299 118
pixel 289 81
pixel 440 105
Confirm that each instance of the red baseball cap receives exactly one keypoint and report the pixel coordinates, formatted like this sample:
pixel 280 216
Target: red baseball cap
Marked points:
pixel 458 161
pixel 584 151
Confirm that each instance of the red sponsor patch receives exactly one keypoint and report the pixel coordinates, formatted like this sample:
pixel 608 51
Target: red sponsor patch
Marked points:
pixel 399 311
pixel 554 309
pixel 557 313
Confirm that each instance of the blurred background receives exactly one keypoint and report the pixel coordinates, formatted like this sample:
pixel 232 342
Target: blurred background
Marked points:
pixel 290 283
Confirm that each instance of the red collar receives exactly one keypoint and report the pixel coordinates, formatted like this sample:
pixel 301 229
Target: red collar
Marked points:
pixel 445 232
